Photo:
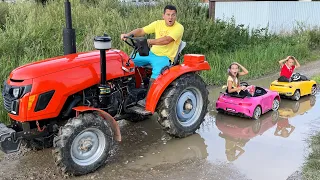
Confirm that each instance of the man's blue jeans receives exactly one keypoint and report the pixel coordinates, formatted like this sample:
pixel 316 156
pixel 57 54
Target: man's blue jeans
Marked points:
pixel 157 62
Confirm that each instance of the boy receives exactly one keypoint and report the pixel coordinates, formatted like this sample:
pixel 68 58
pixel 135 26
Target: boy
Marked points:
pixel 287 66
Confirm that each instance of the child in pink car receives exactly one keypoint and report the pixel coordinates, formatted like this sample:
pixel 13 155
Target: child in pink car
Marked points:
pixel 233 84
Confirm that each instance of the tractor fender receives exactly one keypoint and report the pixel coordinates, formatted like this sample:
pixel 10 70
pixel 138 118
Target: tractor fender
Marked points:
pixel 104 115
pixel 168 76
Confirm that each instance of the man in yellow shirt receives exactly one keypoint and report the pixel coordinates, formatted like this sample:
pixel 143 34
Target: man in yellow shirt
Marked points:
pixel 168 34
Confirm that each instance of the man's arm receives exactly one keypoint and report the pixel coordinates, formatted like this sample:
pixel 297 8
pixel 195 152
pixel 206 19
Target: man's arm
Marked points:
pixel 141 31
pixel 172 36
pixel 136 33
pixel 161 41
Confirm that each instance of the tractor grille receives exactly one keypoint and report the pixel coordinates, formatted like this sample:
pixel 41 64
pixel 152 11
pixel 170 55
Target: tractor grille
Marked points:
pixel 7 98
pixel 7 103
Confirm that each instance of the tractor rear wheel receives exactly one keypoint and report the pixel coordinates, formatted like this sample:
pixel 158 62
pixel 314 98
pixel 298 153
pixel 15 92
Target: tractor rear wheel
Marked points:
pixel 83 144
pixel 183 105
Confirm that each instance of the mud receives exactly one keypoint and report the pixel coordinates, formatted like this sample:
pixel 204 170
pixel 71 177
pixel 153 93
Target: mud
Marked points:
pixel 225 147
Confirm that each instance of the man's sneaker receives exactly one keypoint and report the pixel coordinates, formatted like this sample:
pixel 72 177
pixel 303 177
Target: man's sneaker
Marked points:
pixel 142 102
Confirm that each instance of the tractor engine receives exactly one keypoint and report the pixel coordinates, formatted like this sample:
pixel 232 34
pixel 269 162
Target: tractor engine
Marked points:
pixel 121 95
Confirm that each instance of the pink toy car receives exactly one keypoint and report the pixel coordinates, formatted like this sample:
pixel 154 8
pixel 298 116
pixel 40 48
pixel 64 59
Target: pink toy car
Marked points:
pixel 262 101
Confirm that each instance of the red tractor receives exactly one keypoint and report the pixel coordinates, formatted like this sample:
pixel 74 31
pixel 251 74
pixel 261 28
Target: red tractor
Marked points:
pixel 73 102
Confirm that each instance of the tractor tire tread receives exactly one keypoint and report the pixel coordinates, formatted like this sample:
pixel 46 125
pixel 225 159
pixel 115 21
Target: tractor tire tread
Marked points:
pixel 166 110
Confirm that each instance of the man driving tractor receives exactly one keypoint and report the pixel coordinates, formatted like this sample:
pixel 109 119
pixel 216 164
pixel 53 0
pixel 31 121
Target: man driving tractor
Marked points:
pixel 168 35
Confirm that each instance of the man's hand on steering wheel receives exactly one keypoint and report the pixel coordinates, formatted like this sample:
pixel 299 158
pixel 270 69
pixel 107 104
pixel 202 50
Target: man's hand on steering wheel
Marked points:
pixel 124 37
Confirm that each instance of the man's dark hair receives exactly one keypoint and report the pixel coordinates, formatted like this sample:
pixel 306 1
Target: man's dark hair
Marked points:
pixel 170 7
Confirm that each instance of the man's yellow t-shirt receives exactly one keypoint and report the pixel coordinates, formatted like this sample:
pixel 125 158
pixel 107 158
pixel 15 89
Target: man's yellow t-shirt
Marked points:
pixel 161 30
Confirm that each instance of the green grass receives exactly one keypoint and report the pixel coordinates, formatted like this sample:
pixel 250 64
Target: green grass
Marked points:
pixel 317 79
pixel 311 168
pixel 31 32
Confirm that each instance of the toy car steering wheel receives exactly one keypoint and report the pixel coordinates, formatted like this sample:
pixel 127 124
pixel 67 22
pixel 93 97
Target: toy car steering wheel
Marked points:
pixel 244 84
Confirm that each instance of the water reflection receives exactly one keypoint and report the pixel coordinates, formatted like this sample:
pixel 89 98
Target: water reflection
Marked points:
pixel 237 132
pixel 172 151
pixel 284 128
pixel 289 108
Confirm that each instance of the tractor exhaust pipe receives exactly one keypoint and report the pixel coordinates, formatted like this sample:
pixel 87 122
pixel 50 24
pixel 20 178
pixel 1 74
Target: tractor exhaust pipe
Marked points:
pixel 103 43
pixel 69 37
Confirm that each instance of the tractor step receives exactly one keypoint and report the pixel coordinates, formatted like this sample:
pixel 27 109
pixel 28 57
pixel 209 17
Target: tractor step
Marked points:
pixel 139 110
pixel 8 144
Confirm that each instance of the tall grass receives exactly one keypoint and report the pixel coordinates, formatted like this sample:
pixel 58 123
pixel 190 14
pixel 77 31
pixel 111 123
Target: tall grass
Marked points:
pixel 317 79
pixel 311 168
pixel 32 31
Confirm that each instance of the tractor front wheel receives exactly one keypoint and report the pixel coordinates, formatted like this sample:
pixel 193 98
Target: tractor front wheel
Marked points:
pixel 83 144
pixel 183 105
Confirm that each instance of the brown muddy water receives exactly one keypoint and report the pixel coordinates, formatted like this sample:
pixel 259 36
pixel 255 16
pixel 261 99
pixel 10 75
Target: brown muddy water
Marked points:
pixel 225 147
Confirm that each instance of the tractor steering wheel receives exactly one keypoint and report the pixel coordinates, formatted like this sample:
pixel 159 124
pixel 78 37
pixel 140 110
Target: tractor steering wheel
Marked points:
pixel 244 84
pixel 132 44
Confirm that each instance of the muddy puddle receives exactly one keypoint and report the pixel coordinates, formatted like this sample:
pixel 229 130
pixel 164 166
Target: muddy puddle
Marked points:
pixel 225 147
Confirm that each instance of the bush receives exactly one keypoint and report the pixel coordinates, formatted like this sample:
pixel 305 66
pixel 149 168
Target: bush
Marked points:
pixel 3 14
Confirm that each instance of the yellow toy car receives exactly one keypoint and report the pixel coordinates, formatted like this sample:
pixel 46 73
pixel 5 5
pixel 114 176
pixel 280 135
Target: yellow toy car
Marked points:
pixel 296 88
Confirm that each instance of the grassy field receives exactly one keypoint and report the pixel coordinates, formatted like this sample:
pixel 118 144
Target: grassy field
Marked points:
pixel 311 168
pixel 317 78
pixel 31 32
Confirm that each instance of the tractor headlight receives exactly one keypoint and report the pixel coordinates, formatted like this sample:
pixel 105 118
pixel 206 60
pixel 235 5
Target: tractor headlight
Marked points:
pixel 16 92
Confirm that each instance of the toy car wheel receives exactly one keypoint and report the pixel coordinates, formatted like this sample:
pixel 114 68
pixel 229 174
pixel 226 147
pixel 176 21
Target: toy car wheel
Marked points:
pixel 220 111
pixel 275 117
pixel 314 90
pixel 313 100
pixel 296 96
pixel 295 107
pixel 257 112
pixel 183 105
pixel 83 144
pixel 256 126
pixel 275 104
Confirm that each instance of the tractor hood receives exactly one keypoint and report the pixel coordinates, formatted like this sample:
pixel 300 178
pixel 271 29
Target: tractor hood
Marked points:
pixel 52 65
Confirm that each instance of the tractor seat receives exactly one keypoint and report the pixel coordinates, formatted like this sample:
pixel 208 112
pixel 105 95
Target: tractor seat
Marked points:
pixel 176 60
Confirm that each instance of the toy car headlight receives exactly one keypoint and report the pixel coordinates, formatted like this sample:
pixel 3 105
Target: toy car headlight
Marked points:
pixel 16 92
